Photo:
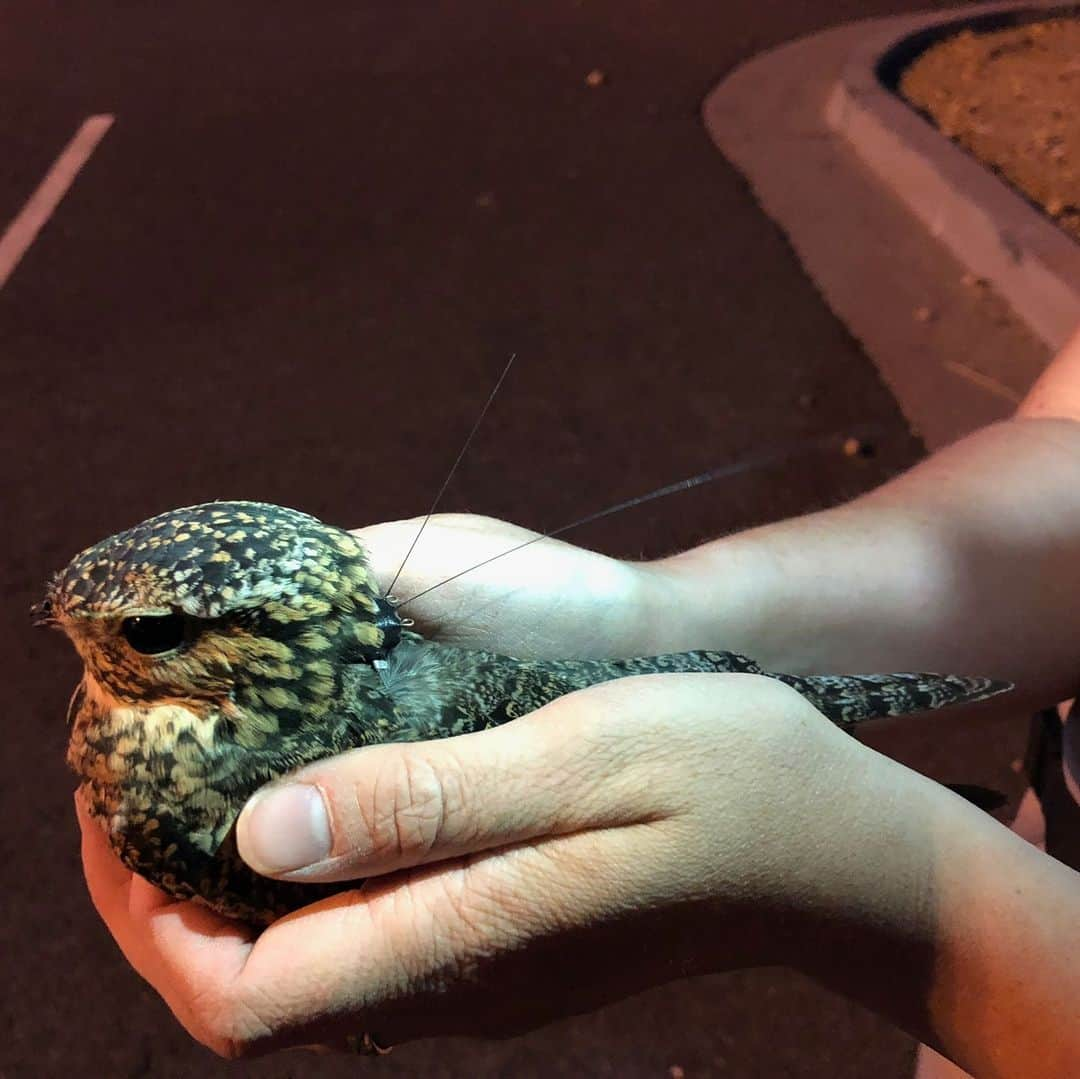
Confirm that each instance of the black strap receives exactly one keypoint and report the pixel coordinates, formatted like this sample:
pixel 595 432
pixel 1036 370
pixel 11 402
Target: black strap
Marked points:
pixel 387 619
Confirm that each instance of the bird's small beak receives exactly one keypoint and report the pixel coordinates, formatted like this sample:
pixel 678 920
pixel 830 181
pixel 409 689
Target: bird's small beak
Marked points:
pixel 41 614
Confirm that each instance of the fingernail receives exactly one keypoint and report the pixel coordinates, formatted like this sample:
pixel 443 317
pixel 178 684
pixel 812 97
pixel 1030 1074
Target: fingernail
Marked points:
pixel 287 828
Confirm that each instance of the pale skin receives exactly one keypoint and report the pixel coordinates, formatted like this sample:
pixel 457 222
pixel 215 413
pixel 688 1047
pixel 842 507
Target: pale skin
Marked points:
pixel 694 822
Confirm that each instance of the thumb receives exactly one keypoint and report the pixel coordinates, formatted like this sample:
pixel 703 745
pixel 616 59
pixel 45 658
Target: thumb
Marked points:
pixel 370 811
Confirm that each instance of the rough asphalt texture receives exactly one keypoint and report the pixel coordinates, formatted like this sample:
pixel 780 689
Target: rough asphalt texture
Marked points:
pixel 291 272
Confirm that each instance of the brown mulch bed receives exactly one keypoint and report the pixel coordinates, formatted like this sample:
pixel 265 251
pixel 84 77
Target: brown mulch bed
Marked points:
pixel 1011 98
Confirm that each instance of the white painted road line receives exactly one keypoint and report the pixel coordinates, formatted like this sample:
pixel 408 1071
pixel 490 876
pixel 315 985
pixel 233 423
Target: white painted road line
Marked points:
pixel 22 232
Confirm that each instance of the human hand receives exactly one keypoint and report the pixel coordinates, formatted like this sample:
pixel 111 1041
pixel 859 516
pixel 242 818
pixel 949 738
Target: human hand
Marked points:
pixel 622 836
pixel 547 600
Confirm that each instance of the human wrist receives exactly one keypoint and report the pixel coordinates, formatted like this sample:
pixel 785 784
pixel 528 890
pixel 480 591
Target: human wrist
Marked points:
pixel 872 906
pixel 952 930
pixel 857 588
pixel 720 595
pixel 839 866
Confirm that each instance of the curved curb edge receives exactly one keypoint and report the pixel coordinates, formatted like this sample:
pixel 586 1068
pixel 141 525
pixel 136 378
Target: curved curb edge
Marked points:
pixel 991 228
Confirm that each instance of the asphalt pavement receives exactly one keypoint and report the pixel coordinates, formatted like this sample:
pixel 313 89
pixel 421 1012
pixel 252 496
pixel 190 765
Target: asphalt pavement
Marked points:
pixel 291 272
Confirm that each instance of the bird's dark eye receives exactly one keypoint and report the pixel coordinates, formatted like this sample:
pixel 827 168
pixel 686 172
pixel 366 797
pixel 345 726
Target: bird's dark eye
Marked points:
pixel 152 634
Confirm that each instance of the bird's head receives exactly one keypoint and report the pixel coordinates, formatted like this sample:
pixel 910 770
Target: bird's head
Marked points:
pixel 241 609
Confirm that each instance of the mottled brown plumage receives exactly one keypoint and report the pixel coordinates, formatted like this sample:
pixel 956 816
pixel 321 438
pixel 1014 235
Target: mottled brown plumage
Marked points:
pixel 226 644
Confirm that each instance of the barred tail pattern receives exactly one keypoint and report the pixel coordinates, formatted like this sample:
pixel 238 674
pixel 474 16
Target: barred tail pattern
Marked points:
pixel 849 699
pixel 845 699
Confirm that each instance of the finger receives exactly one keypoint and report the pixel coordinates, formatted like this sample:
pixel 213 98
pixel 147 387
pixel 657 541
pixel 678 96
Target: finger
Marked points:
pixel 380 959
pixel 123 900
pixel 194 959
pixel 132 907
pixel 389 807
pixel 106 876
pixel 181 948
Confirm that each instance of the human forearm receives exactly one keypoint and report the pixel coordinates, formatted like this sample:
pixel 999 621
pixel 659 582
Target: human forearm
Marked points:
pixel 960 563
pixel 953 927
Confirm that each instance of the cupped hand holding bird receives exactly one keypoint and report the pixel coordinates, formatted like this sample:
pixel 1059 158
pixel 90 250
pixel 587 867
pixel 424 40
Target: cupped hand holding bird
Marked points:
pixel 621 836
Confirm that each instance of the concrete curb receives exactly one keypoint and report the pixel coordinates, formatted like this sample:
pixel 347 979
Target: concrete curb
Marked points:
pixel 953 353
pixel 991 228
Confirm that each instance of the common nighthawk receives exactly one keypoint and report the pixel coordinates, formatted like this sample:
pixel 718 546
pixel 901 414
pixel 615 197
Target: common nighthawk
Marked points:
pixel 229 643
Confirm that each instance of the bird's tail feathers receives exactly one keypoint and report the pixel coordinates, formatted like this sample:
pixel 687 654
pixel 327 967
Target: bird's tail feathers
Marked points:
pixel 850 699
